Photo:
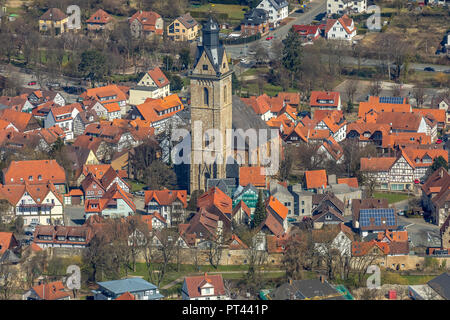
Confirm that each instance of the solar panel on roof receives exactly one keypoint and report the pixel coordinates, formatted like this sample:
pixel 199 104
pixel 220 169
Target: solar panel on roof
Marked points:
pixel 394 100
pixel 378 216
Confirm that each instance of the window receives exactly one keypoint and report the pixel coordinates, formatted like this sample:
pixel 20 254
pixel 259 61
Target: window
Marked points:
pixel 39 177
pixel 30 178
pixel 205 96
pixel 205 67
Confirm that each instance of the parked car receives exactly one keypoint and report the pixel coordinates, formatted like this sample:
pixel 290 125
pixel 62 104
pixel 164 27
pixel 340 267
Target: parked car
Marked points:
pixel 438 141
pixel 269 38
pixel 32 83
pixel 140 193
pixel 417 181
pixel 430 69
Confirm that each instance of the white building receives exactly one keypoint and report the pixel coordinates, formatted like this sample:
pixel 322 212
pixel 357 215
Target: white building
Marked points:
pixel 63 117
pixel 346 6
pixel 154 84
pixel 340 29
pixel 277 9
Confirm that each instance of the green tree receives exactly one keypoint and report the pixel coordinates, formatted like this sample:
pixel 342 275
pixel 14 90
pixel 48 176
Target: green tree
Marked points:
pixel 292 54
pixel 260 211
pixel 185 58
pixel 438 163
pixel 18 225
pixel 93 65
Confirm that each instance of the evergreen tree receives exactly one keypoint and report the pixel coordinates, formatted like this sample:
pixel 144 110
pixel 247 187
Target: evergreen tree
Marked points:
pixel 437 163
pixel 292 54
pixel 260 211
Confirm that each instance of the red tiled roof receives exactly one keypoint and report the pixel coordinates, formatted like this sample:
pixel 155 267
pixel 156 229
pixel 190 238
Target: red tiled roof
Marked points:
pixel 194 284
pixel 166 197
pixel 153 110
pixel 363 248
pixel 158 77
pixel 366 107
pixel 259 104
pixel 345 21
pixel 377 164
pixel 48 170
pixel 20 120
pixel 316 179
pixel 277 207
pixel 100 17
pixel 351 182
pixel 111 90
pixel 7 241
pixel 148 20
pixel 51 291
pixel 217 198
pixel 252 175
pixel 324 95
pixel 126 296
pixel 438 114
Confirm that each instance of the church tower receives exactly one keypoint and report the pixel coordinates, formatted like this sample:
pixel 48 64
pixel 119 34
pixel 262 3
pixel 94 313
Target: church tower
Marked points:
pixel 211 104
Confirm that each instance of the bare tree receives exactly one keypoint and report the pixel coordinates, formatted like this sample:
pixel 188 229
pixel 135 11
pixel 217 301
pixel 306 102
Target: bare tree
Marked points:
pixel 9 281
pixel 397 90
pixel 419 95
pixel 215 251
pixel 375 87
pixel 299 254
pixel 351 86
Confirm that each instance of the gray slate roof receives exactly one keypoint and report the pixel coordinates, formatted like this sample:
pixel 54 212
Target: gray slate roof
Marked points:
pixel 302 289
pixel 131 285
pixel 441 284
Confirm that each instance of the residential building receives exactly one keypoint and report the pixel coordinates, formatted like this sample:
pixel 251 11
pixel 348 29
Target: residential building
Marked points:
pixel 435 289
pixel 278 10
pixel 340 29
pixel 63 117
pixel 308 33
pixel 54 21
pixel 7 242
pixel 276 217
pixel 137 287
pixel 154 85
pixel 100 20
pixel 256 21
pixel 248 194
pixel 205 287
pixel 333 237
pixel 170 204
pixel 109 97
pixel 24 122
pixel 254 176
pixel 436 196
pixel 146 24
pixel 35 172
pixel 183 28
pixel 323 100
pixel 346 6
pixel 48 291
pixel 62 236
pixel 282 194
pixel 316 289
pixel 315 180
pixel 302 201
pixel 114 203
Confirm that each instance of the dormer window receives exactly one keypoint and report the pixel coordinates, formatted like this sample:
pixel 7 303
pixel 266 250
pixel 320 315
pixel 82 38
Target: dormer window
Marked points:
pixel 30 178
pixel 39 177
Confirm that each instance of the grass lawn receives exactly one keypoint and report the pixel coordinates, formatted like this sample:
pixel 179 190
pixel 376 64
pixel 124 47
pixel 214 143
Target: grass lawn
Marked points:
pixel 255 71
pixel 396 278
pixel 235 12
pixel 391 197
pixel 135 186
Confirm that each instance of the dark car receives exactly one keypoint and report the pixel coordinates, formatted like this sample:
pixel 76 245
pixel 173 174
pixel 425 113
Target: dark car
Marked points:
pixel 447 71
pixel 74 90
pixel 429 69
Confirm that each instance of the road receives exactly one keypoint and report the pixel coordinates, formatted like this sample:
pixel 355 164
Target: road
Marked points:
pixel 316 7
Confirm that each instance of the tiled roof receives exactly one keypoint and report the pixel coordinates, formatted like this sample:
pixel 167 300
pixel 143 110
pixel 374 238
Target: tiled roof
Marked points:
pixel 241 205
pixel 166 197
pixel 436 181
pixel 351 182
pixel 237 244
pixel 51 291
pixel 333 148
pixel 158 77
pixel 111 90
pixel 259 104
pixel 366 107
pixel 362 248
pixel 345 21
pixel 126 296
pixel 7 241
pixel 393 235
pixel 377 164
pixel 153 110
pixel 194 284
pixel 316 179
pixel 100 17
pixel 187 20
pixel 277 207
pixel 316 96
pixel 53 14
pixel 438 114
pixel 48 170
pixel 148 20
pixel 417 156
pixel 400 120
pixel 252 175
pixel 20 120
pixel 358 204
pixel 215 197
pixel 274 225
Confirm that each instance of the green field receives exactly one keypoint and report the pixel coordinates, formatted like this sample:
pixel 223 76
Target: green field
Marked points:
pixel 391 197
pixel 235 12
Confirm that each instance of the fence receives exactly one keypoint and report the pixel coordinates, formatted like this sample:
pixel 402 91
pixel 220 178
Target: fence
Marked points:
pixel 242 40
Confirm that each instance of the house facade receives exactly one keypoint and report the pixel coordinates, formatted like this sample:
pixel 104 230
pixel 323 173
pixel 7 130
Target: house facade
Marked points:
pixel 153 85
pixel 346 6
pixel 170 204
pixel 183 28
pixel 205 287
pixel 278 10
pixel 340 29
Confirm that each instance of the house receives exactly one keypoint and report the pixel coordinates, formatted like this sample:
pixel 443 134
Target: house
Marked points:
pixel 137 287
pixel 18 103
pixel 276 217
pixel 308 33
pixel 334 122
pixel 227 185
pixel 109 97
pixel 7 242
pixel 376 220
pixel 333 237
pixel 204 287
pixel 340 29
pixel 38 203
pixel 256 21
pixel 183 28
pixel 302 201
pixel 254 176
pixel 332 150
pixel 63 117
pixel 282 194
pixel 346 6
pixel 215 201
pixel 22 121
pixel 100 20
pixel 436 196
pixel 146 24
pixel 82 120
pixel 154 84
pixel 35 172
pixel 408 122
pixel 115 202
pixel 48 291
pixel 370 203
pixel 316 179
pixel 324 100
pixel 54 21
pixel 278 10
pixel 242 215
pixel 439 115
pixel 170 204
pixel 401 172
pixel 39 97
pixel 437 288
pixel 260 105
pixel 248 194
pixel 370 248
pixel 62 236
pixel 160 113
pixel 327 209
pixel 311 289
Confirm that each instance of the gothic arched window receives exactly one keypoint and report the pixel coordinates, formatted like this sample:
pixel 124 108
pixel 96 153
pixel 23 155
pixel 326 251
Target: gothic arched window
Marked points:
pixel 225 94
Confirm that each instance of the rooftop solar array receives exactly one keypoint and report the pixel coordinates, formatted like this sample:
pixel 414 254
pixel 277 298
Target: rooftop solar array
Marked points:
pixel 395 100
pixel 378 216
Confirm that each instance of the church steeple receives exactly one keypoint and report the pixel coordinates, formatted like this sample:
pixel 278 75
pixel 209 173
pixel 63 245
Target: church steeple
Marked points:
pixel 211 34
